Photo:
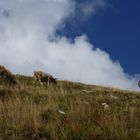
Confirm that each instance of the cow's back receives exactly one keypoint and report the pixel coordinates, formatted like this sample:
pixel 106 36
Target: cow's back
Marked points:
pixel 7 76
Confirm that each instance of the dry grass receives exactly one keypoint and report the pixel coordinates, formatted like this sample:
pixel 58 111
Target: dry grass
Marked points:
pixel 68 111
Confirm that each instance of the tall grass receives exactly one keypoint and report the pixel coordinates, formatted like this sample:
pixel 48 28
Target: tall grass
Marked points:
pixel 67 112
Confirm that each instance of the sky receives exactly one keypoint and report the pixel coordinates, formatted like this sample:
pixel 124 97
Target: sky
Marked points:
pixel 115 28
pixel 92 41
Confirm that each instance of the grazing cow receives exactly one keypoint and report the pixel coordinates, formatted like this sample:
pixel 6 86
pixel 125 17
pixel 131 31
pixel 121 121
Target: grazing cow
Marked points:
pixel 43 77
pixel 7 76
pixel 139 83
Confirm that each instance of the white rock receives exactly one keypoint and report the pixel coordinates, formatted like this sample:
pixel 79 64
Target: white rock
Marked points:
pixel 61 112
pixel 113 97
pixel 105 106
pixel 85 102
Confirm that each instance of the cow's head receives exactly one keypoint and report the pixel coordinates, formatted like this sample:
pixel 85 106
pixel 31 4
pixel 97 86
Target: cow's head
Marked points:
pixel 54 80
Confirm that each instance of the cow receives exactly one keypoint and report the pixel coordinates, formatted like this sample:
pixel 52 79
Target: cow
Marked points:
pixel 139 83
pixel 7 76
pixel 43 77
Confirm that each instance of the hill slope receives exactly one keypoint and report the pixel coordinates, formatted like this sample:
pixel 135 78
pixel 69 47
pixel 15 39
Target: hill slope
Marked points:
pixel 68 111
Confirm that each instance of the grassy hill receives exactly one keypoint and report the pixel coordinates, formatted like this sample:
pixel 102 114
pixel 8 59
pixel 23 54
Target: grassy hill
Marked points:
pixel 68 111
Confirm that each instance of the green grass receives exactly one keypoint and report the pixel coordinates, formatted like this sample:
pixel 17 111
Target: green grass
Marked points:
pixel 33 112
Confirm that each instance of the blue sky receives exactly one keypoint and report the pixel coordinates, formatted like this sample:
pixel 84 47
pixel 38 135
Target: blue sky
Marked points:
pixel 115 29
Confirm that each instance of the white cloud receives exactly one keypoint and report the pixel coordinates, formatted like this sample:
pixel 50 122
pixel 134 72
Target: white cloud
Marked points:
pixel 28 42
pixel 89 7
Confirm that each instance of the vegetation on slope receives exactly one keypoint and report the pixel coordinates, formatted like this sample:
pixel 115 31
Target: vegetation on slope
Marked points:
pixel 68 111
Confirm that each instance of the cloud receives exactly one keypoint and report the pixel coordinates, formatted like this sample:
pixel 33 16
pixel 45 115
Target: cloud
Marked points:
pixel 28 42
pixel 88 8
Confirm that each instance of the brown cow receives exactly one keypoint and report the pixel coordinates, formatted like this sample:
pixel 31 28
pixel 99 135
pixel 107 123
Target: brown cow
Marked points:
pixel 7 76
pixel 43 77
pixel 139 83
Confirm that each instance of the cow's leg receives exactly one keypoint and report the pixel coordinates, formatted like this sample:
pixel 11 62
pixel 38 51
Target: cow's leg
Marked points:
pixel 35 79
pixel 48 80
pixel 40 82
